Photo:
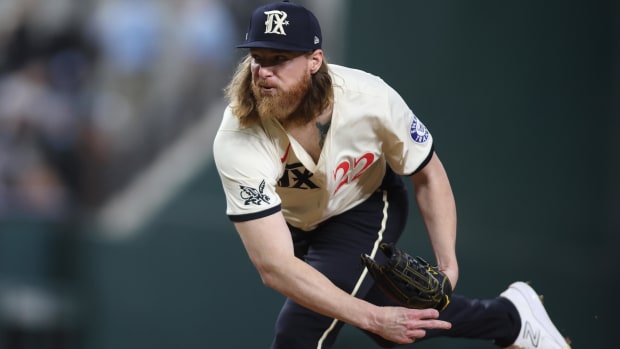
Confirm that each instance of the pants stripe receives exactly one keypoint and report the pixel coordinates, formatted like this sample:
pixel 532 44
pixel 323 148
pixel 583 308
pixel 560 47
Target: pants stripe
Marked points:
pixel 375 248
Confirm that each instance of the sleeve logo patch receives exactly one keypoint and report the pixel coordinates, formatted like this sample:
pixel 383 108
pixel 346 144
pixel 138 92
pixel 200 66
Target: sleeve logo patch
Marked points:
pixel 419 133
pixel 253 196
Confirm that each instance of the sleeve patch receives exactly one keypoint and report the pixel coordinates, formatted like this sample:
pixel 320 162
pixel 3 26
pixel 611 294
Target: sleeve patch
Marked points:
pixel 254 196
pixel 419 133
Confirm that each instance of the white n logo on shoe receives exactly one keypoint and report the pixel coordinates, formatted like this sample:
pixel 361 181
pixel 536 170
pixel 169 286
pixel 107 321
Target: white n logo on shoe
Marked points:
pixel 529 332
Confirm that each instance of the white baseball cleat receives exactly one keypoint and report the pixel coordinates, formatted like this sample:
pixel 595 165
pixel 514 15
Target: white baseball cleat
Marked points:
pixel 537 330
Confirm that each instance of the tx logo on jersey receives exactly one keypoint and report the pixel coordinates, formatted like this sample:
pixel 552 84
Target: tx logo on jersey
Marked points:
pixel 297 176
pixel 253 196
pixel 276 20
pixel 534 336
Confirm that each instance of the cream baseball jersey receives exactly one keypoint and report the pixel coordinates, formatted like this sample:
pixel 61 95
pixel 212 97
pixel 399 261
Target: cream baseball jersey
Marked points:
pixel 264 170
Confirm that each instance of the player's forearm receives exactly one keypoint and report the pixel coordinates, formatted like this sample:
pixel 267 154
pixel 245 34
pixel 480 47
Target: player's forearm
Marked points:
pixel 438 209
pixel 439 214
pixel 311 289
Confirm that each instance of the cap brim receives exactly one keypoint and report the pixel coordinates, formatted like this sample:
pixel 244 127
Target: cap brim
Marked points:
pixel 274 46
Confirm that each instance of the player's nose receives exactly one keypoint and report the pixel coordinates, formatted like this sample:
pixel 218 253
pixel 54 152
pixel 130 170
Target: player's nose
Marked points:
pixel 264 72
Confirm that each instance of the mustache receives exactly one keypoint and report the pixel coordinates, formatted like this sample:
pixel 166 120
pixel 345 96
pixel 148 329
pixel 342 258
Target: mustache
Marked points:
pixel 264 84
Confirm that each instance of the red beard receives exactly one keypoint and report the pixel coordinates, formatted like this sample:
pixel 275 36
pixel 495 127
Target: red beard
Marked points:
pixel 280 104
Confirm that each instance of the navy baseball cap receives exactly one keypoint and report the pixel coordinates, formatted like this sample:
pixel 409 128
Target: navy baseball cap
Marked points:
pixel 283 26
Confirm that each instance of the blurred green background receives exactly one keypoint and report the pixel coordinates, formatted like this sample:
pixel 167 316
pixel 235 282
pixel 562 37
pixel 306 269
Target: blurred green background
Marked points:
pixel 522 98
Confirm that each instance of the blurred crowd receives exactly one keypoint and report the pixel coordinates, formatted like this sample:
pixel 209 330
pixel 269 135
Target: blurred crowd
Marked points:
pixel 92 90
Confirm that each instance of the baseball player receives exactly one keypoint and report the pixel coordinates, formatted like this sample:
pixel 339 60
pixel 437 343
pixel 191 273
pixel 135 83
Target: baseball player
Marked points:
pixel 312 158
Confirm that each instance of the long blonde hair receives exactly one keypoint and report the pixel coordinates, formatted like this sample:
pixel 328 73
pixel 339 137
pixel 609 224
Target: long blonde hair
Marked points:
pixel 242 102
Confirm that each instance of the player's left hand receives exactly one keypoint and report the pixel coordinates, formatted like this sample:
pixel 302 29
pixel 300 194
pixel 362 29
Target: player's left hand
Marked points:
pixel 412 282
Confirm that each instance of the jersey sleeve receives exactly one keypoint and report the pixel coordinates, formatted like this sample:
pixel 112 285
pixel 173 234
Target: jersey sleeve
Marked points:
pixel 247 170
pixel 407 143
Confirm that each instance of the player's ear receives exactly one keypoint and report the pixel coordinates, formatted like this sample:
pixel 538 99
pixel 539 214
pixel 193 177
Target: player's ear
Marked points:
pixel 315 60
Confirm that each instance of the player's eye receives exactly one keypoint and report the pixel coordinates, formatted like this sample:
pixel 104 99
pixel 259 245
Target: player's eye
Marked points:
pixel 270 61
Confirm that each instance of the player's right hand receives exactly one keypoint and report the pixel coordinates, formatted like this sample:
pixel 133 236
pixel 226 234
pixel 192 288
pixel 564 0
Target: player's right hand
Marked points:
pixel 405 326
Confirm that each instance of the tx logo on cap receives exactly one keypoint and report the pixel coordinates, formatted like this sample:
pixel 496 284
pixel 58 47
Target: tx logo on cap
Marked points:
pixel 276 20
